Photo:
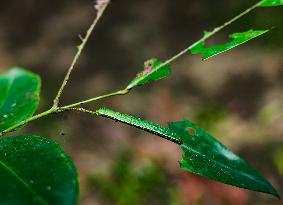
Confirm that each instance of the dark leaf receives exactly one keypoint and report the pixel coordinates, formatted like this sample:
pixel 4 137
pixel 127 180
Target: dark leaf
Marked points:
pixel 36 171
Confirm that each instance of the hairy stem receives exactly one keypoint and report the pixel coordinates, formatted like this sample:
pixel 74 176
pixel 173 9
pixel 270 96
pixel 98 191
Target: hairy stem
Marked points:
pixel 82 110
pixel 76 57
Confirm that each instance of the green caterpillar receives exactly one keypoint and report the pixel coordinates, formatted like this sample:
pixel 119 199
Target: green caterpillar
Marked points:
pixel 153 128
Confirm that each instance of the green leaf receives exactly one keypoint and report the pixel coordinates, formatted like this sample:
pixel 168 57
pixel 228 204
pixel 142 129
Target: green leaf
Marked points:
pixel 206 156
pixel 237 39
pixel 153 70
pixel 203 154
pixel 269 3
pixel 19 97
pixel 36 171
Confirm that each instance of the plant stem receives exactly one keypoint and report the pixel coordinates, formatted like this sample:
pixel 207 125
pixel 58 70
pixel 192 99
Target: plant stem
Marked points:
pixel 35 117
pixel 73 106
pixel 82 110
pixel 120 92
pixel 56 109
pixel 208 35
pixel 76 57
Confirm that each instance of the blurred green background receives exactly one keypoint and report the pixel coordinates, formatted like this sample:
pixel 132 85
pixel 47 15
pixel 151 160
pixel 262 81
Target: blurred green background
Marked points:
pixel 236 96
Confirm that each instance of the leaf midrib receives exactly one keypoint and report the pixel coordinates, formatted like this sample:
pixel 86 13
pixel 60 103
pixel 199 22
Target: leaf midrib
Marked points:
pixel 22 181
pixel 264 183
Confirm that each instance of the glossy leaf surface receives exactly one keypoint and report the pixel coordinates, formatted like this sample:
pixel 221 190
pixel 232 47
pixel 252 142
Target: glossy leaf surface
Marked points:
pixel 153 70
pixel 237 39
pixel 36 171
pixel 19 96
pixel 203 154
pixel 206 156
pixel 269 3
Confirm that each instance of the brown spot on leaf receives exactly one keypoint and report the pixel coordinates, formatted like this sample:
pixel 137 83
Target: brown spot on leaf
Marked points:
pixel 191 131
pixel 30 96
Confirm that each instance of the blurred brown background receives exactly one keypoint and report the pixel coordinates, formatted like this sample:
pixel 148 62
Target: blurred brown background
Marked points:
pixel 236 96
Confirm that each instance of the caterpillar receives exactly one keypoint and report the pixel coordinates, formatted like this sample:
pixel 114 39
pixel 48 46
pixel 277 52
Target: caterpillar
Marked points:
pixel 147 126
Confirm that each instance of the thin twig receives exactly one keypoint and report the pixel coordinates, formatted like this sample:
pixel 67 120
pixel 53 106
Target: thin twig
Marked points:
pixel 81 110
pixel 35 117
pixel 207 36
pixel 80 49
pixel 56 109
pixel 120 92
